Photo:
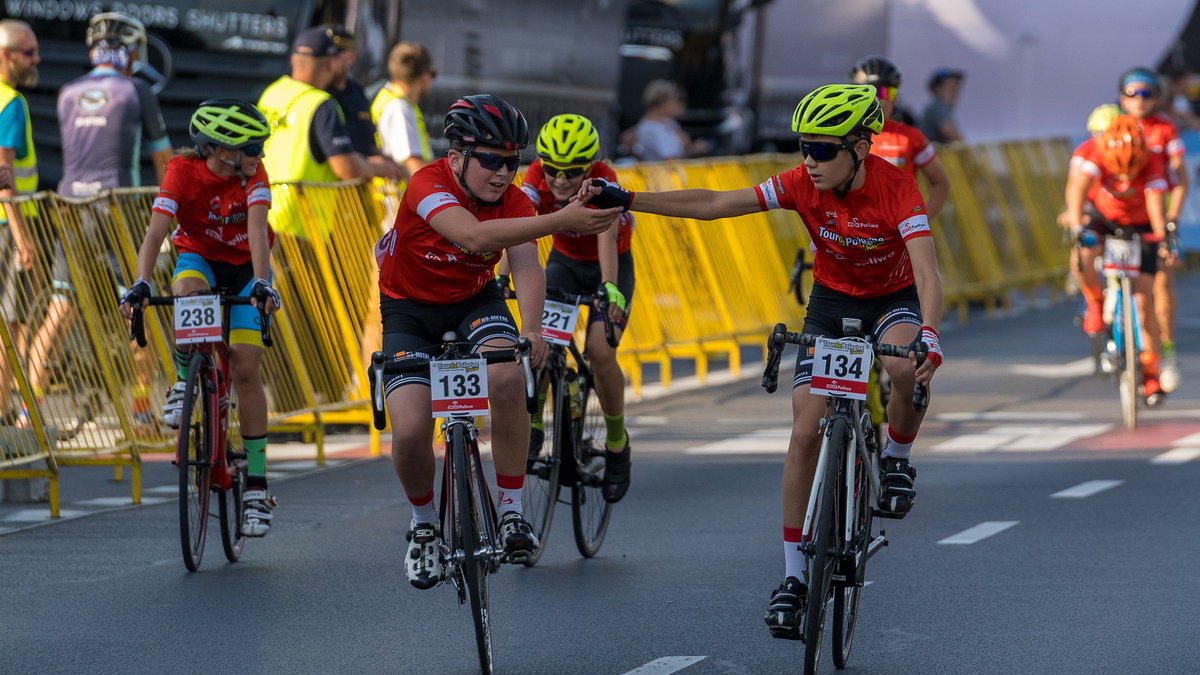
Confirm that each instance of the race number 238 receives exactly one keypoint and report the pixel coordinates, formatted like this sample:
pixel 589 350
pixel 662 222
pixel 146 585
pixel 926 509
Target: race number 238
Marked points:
pixel 197 319
pixel 841 368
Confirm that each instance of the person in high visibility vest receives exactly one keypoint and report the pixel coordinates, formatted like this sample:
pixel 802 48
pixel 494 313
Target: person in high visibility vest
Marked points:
pixel 396 109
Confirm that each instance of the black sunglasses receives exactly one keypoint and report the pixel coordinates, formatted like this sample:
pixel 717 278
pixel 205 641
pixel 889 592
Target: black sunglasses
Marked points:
pixel 492 161
pixel 568 172
pixel 255 150
pixel 822 152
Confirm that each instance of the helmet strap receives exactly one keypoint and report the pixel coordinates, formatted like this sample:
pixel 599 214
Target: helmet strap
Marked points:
pixel 844 190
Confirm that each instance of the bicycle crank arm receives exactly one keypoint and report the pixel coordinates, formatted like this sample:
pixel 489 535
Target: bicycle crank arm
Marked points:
pixel 876 544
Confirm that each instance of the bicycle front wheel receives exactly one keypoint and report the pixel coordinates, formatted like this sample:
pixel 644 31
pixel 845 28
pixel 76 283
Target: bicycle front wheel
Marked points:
pixel 823 556
pixel 230 502
pixel 472 535
pixel 192 456
pixel 543 464
pixel 845 599
pixel 589 512
pixel 1129 377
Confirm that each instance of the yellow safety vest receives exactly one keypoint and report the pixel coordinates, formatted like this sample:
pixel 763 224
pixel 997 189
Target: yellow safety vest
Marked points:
pixel 25 171
pixel 382 99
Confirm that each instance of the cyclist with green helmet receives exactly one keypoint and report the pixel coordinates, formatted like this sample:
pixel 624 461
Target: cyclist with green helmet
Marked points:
pixel 874 261
pixel 567 149
pixel 218 194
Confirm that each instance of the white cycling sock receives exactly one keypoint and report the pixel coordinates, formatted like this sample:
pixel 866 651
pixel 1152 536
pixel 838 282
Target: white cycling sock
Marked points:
pixel 898 446
pixel 793 558
pixel 424 512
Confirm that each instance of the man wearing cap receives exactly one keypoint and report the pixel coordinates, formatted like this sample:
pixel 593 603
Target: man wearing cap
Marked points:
pixel 937 122
pixel 396 108
pixel 352 99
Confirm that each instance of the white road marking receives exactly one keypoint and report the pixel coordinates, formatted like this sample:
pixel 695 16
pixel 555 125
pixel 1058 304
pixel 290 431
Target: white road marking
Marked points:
pixel 665 665
pixel 1010 416
pixel 1177 456
pixel 162 489
pixel 979 532
pixel 106 501
pixel 647 421
pixel 1057 437
pixel 766 440
pixel 1021 437
pixel 1056 371
pixel 38 515
pixel 1087 489
pixel 1189 441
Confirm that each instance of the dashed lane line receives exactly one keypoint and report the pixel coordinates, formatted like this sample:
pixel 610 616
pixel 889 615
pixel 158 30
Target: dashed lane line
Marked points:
pixel 1087 489
pixel 1177 456
pixel 666 665
pixel 980 532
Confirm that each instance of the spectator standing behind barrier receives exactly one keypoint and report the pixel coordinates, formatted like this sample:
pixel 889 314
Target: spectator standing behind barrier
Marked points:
pixel 105 115
pixel 938 122
pixel 658 136
pixel 19 59
pixel 396 111
pixel 902 145
pixel 352 99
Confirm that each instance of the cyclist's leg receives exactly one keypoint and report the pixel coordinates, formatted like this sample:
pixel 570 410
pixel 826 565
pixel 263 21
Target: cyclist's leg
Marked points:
pixel 610 380
pixel 1089 285
pixel 60 314
pixel 1145 295
pixel 1164 304
pixel 192 275
pixel 899 323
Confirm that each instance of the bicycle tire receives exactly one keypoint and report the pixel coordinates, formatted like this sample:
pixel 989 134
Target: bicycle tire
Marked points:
pixel 474 567
pixel 192 454
pixel 230 503
pixel 822 559
pixel 590 513
pixel 845 601
pixel 1128 384
pixel 542 469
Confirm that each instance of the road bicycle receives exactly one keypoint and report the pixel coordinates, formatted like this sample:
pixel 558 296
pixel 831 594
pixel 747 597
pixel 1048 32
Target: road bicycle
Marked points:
pixel 206 459
pixel 458 384
pixel 839 523
pixel 572 454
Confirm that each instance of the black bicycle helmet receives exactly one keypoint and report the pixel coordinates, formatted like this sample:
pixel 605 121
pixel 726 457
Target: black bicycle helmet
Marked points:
pixel 115 27
pixel 876 70
pixel 488 120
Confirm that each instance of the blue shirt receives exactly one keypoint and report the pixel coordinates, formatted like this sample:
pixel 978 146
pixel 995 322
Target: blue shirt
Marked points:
pixel 12 127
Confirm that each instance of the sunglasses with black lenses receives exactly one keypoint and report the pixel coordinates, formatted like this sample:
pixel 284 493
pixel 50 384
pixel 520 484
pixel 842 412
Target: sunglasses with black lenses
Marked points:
pixel 255 150
pixel 822 152
pixel 493 162
pixel 568 172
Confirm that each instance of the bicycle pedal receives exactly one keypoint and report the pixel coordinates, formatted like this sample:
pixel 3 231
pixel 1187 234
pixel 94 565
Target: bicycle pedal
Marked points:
pixel 786 632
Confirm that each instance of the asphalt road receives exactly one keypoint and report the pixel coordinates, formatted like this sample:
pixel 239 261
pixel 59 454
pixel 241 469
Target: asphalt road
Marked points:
pixel 1078 549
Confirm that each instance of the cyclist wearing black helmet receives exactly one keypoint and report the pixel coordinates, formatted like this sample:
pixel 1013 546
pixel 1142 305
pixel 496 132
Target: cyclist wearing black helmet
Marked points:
pixel 221 175
pixel 437 263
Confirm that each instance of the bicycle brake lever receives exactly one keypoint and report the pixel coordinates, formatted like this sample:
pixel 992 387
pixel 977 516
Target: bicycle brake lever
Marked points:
pixel 920 398
pixel 378 413
pixel 530 386
pixel 137 327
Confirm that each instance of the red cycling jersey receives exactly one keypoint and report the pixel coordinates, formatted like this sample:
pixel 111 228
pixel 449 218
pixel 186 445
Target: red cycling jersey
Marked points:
pixel 418 263
pixel 860 238
pixel 1123 202
pixel 572 244
pixel 903 145
pixel 1163 139
pixel 211 210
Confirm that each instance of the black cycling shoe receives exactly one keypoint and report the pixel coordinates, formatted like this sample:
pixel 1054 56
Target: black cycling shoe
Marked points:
pixel 786 609
pixel 616 474
pixel 896 487
pixel 520 543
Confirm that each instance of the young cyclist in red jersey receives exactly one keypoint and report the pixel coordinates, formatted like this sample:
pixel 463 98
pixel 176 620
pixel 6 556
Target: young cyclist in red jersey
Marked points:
pixel 583 263
pixel 1140 89
pixel 1125 182
pixel 437 266
pixel 1098 120
pixel 875 261
pixel 902 144
pixel 219 195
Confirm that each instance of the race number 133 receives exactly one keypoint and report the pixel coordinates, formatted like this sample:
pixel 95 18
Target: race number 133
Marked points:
pixel 841 368
pixel 458 386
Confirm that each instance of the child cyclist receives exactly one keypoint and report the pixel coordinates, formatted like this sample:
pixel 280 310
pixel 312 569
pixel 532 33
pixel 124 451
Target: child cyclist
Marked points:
pixel 584 263
pixel 219 195
pixel 437 267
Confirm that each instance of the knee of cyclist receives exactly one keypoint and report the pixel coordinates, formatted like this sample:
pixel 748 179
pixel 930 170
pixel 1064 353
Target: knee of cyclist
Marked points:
pixel 805 441
pixel 244 374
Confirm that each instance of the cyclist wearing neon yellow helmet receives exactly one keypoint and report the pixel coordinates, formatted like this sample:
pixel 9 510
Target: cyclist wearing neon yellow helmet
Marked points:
pixel 218 193
pixel 874 261
pixel 568 146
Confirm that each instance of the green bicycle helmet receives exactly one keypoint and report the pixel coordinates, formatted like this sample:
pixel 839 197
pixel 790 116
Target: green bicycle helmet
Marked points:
pixel 228 122
pixel 568 139
pixel 1102 117
pixel 838 110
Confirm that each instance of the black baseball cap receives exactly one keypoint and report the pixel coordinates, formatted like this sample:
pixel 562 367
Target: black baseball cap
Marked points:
pixel 942 74
pixel 316 42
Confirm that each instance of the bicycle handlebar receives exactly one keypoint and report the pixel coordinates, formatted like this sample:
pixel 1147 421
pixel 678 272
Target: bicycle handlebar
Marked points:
pixel 382 364
pixel 598 300
pixel 781 337
pixel 137 326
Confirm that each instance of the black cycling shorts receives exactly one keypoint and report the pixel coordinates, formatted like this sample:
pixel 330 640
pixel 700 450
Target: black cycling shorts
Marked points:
pixel 1149 248
pixel 417 329
pixel 573 277
pixel 827 308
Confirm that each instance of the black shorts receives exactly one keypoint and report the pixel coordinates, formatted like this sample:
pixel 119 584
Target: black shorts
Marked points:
pixel 1149 248
pixel 827 308
pixel 573 277
pixel 417 329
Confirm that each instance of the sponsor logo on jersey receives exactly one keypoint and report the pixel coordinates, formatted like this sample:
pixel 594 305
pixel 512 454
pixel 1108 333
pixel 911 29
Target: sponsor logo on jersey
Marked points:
pixel 865 243
pixel 855 222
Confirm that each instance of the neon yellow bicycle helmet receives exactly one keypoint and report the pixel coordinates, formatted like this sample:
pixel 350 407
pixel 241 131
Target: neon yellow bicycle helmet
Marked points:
pixel 230 123
pixel 568 139
pixel 1102 117
pixel 837 110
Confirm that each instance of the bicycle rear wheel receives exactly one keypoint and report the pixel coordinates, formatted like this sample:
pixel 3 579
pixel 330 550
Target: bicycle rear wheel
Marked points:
pixel 823 558
pixel 1129 377
pixel 543 465
pixel 192 456
pixel 230 502
pixel 845 599
pixel 589 512
pixel 472 535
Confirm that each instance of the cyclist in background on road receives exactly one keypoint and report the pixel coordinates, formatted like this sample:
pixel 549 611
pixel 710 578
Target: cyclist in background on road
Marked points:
pixel 1125 182
pixel 875 261
pixel 219 194
pixel 437 268
pixel 582 263
pixel 1140 89
pixel 902 144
